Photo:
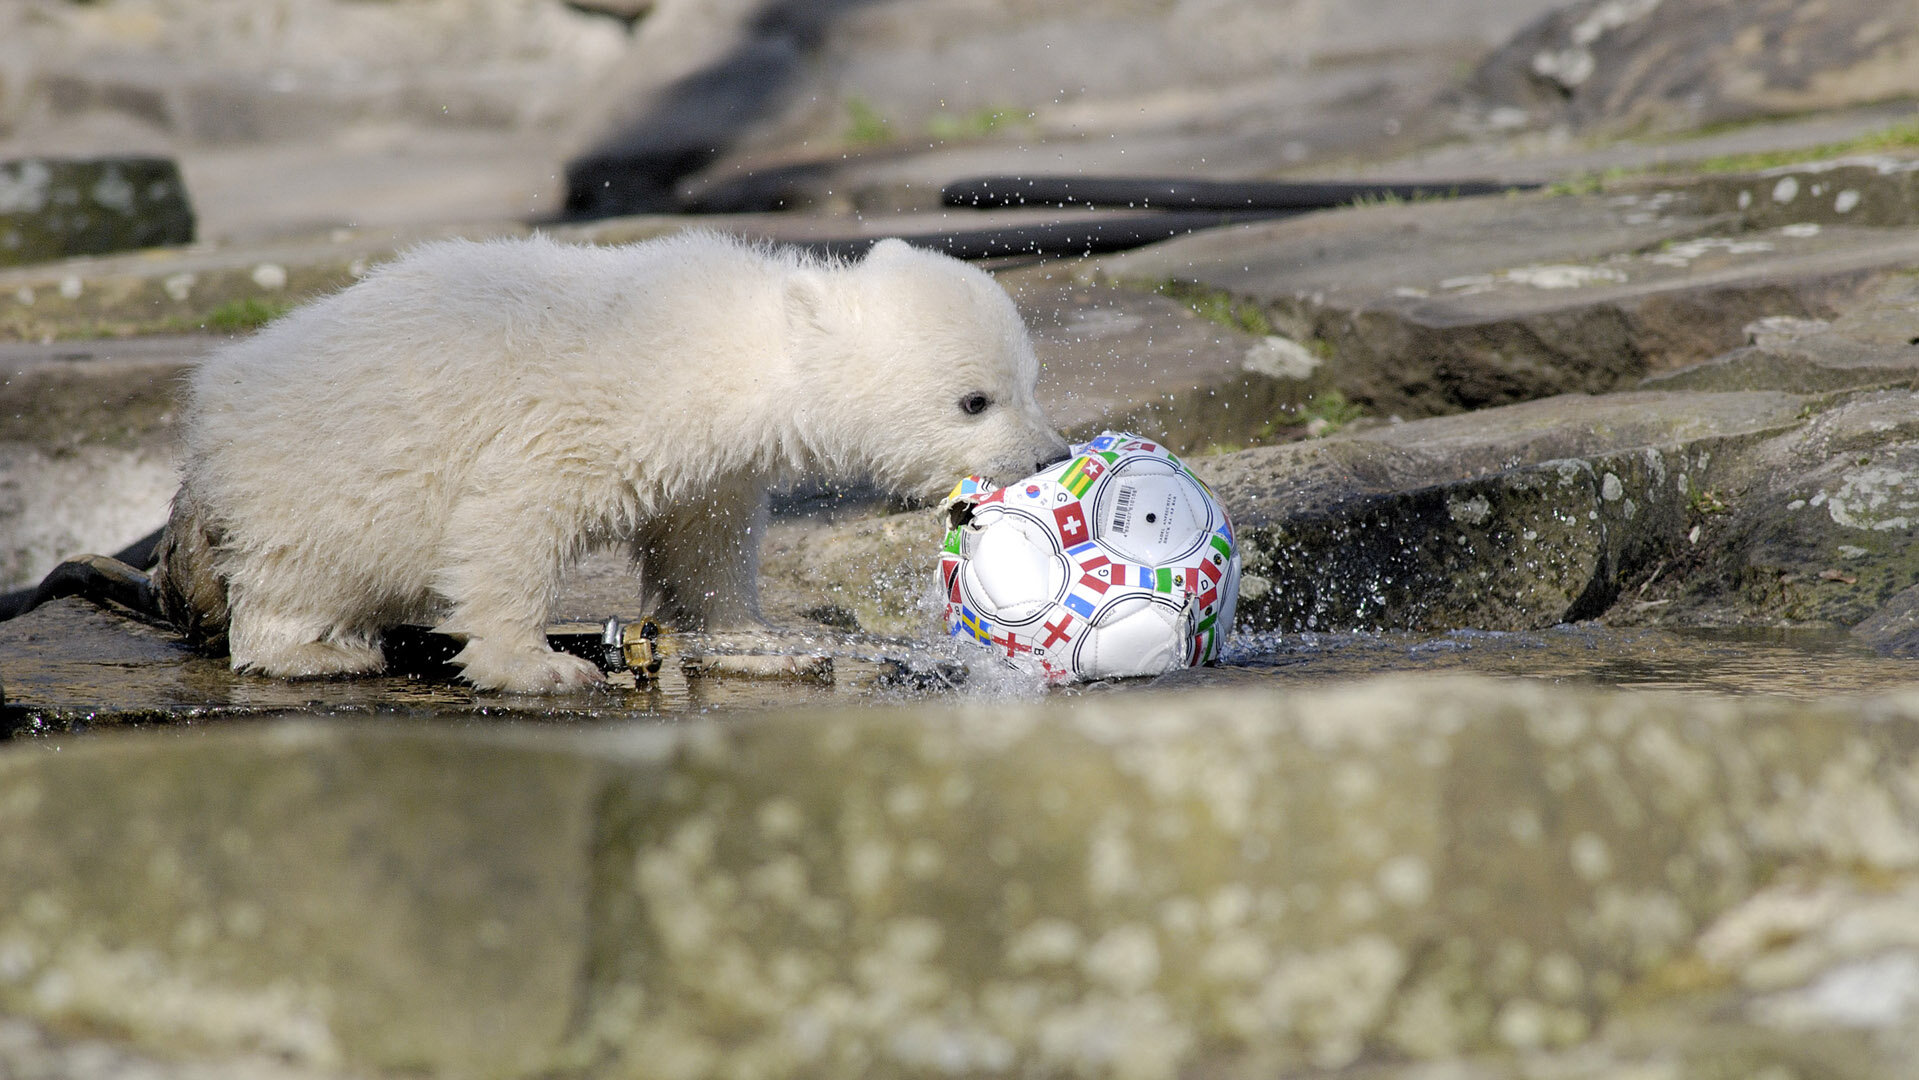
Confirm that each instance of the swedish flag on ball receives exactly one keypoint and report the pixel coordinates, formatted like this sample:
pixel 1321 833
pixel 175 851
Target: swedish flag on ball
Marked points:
pixel 1118 561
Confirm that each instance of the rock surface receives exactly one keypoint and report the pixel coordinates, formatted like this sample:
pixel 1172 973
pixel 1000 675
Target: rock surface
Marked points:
pixel 1672 65
pixel 1248 872
pixel 333 113
pixel 30 1051
pixel 52 208
pixel 1381 880
pixel 1568 505
pixel 1516 518
pixel 291 115
pixel 1782 492
pixel 1432 307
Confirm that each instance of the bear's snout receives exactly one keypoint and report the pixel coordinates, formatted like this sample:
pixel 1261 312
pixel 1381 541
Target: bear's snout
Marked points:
pixel 1053 452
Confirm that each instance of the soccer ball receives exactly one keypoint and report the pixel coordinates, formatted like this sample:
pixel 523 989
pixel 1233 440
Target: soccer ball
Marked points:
pixel 1116 562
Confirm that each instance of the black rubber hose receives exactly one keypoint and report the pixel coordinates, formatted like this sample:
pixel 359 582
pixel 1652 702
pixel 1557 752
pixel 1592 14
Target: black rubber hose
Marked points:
pixel 1173 193
pixel 96 577
pixel 133 558
pixel 1088 236
pixel 140 553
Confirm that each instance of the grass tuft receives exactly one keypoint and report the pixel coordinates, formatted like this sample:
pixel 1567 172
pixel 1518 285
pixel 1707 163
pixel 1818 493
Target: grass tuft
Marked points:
pixel 249 313
pixel 1328 411
pixel 864 124
pixel 1217 305
pixel 1898 137
pixel 950 127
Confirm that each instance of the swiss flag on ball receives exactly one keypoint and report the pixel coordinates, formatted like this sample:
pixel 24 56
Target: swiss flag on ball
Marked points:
pixel 1072 523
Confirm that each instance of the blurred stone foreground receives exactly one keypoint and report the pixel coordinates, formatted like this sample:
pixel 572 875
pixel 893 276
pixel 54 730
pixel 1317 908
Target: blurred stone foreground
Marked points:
pixel 1395 879
pixel 1678 389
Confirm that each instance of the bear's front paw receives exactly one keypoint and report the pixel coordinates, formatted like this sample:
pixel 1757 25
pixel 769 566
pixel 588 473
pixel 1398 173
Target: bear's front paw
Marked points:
pixel 526 670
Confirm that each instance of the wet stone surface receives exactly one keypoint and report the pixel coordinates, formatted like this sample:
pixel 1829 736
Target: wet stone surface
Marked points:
pixel 1804 664
pixel 1747 507
pixel 1652 509
pixel 72 666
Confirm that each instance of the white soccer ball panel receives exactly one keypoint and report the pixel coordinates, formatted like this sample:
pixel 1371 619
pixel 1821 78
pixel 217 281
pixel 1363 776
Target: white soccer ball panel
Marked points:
pixel 1150 512
pixel 1135 635
pixel 1013 572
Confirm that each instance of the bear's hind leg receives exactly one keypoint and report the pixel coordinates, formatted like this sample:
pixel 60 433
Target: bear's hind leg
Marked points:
pixel 292 647
pixel 701 566
pixel 318 660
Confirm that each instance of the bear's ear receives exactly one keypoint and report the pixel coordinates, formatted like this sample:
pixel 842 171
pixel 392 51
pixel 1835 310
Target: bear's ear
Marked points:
pixel 888 250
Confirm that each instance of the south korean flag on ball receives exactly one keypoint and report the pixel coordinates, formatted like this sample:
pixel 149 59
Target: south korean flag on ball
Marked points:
pixel 1116 562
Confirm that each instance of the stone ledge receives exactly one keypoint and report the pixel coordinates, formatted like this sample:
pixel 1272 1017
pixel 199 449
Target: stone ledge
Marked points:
pixel 1429 308
pixel 1140 886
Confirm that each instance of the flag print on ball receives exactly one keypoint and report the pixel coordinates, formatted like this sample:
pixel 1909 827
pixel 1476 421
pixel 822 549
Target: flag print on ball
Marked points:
pixel 1116 562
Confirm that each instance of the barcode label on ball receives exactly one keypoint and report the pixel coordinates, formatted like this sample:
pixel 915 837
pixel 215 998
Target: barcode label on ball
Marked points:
pixel 1123 508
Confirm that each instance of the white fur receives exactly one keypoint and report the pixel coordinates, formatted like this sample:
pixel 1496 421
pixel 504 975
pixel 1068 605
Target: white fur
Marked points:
pixel 439 441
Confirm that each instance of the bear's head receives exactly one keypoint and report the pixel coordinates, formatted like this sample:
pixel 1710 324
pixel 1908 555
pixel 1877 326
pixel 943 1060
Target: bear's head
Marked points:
pixel 927 372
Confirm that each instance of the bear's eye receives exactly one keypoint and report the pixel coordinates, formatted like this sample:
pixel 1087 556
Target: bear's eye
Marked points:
pixel 975 403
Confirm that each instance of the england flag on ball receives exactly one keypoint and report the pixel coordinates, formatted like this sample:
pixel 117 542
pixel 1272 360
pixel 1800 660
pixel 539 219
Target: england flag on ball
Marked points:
pixel 1116 562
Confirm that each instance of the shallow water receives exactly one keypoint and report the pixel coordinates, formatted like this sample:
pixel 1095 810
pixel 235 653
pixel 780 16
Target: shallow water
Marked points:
pixel 76 667
pixel 1795 663
pixel 1791 663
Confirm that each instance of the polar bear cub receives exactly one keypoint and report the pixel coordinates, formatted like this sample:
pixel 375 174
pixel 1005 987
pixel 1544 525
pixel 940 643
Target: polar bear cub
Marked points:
pixel 438 442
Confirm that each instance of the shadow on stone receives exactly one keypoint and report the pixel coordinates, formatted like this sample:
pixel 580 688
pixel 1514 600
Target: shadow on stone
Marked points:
pixel 636 168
